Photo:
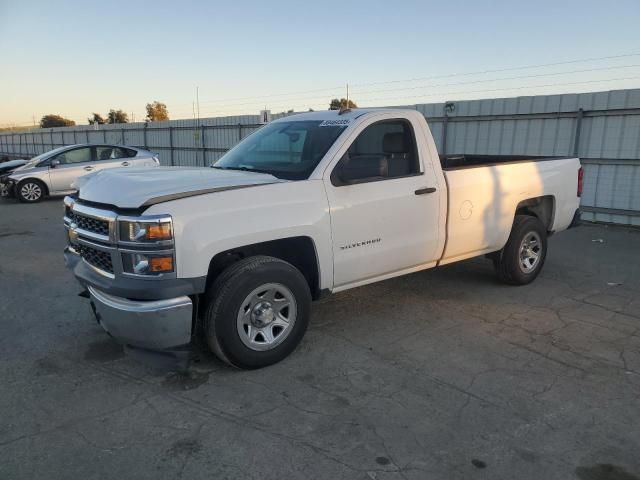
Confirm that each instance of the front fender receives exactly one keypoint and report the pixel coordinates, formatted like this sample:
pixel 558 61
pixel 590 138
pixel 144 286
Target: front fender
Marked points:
pixel 209 224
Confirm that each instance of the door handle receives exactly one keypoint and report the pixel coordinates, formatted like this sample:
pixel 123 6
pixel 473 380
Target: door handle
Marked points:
pixel 125 164
pixel 422 191
pixel 88 169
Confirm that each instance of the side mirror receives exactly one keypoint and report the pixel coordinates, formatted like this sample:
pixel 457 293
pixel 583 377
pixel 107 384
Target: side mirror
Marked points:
pixel 54 163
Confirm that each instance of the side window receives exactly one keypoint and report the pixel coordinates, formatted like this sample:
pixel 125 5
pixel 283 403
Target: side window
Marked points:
pixel 382 151
pixel 128 152
pixel 111 153
pixel 77 155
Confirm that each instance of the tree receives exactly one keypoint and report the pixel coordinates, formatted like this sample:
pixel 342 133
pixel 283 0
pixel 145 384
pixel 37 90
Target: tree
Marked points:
pixel 117 116
pixel 51 120
pixel 157 112
pixel 96 118
pixel 337 104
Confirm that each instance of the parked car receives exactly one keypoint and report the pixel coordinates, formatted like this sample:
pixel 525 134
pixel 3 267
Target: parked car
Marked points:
pixel 307 205
pixel 54 172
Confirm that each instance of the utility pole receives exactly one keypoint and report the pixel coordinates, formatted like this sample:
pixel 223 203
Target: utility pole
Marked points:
pixel 347 106
pixel 198 101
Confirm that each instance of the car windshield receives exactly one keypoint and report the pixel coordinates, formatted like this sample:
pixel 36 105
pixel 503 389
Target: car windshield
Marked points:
pixel 44 155
pixel 289 150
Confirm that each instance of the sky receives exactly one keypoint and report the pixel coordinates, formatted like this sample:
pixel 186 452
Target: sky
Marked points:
pixel 74 58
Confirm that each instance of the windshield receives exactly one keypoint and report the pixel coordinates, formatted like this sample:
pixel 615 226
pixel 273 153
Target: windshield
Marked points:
pixel 44 155
pixel 289 150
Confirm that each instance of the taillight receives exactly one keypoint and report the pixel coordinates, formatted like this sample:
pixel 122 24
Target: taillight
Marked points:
pixel 580 181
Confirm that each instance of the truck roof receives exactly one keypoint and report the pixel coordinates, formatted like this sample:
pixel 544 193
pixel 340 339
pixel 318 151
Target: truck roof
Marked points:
pixel 351 114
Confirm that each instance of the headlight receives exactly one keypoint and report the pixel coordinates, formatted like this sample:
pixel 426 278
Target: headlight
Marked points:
pixel 146 231
pixel 147 263
pixel 146 245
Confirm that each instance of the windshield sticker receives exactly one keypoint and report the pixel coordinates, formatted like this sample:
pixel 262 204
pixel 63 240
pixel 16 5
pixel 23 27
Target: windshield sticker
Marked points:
pixel 342 122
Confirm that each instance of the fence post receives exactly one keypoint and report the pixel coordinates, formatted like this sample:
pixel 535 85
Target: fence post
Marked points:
pixel 104 136
pixel 51 136
pixel 445 122
pixel 239 131
pixel 171 144
pixel 576 143
pixel 204 158
pixel 75 138
pixel 122 136
pixel 144 135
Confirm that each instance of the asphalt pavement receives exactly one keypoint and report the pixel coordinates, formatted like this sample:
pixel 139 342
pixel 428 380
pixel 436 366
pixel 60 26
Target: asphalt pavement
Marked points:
pixel 442 374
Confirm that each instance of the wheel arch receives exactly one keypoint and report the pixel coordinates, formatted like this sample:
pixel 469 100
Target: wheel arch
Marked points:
pixel 33 179
pixel 543 208
pixel 300 251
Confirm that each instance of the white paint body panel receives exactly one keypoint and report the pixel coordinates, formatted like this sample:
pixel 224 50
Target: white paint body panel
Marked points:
pixel 483 201
pixel 206 225
pixel 405 230
pixel 139 185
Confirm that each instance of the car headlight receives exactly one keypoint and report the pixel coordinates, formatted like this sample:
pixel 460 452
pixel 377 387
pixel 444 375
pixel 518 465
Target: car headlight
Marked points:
pixel 147 263
pixel 146 230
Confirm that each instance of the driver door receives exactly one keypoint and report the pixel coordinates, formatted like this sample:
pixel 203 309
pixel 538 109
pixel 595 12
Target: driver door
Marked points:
pixel 384 206
pixel 73 164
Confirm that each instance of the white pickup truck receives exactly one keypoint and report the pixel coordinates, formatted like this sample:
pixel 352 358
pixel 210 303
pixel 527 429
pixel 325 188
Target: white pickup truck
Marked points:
pixel 307 205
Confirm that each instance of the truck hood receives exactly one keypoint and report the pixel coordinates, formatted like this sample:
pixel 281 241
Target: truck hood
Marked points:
pixel 143 187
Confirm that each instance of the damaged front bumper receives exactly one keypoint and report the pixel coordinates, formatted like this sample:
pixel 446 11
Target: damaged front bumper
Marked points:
pixel 150 324
pixel 154 324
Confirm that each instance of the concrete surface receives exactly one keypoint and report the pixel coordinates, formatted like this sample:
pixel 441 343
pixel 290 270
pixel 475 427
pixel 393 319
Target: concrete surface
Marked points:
pixel 443 374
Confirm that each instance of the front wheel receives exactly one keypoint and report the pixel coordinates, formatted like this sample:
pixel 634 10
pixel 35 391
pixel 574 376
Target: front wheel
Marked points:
pixel 30 191
pixel 522 258
pixel 257 311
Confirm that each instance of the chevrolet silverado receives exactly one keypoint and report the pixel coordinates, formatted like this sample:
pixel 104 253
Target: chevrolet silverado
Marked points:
pixel 308 205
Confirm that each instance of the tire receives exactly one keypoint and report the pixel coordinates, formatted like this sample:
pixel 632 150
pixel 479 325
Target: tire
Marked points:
pixel 30 191
pixel 522 258
pixel 245 312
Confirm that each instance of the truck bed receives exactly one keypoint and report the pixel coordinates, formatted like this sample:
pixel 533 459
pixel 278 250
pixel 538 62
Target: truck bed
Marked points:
pixel 484 193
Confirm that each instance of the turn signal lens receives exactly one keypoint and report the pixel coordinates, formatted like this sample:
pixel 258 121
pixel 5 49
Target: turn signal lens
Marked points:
pixel 147 263
pixel 161 231
pixel 161 264
pixel 145 230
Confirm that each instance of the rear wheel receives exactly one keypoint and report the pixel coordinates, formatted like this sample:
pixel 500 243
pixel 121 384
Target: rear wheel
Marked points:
pixel 257 311
pixel 30 191
pixel 522 258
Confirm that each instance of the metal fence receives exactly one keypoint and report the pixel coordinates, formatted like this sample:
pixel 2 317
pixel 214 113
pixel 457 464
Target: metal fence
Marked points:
pixel 602 128
pixel 178 142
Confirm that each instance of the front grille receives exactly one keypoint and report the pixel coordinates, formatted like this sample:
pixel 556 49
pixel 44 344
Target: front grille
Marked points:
pixel 89 224
pixel 97 258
